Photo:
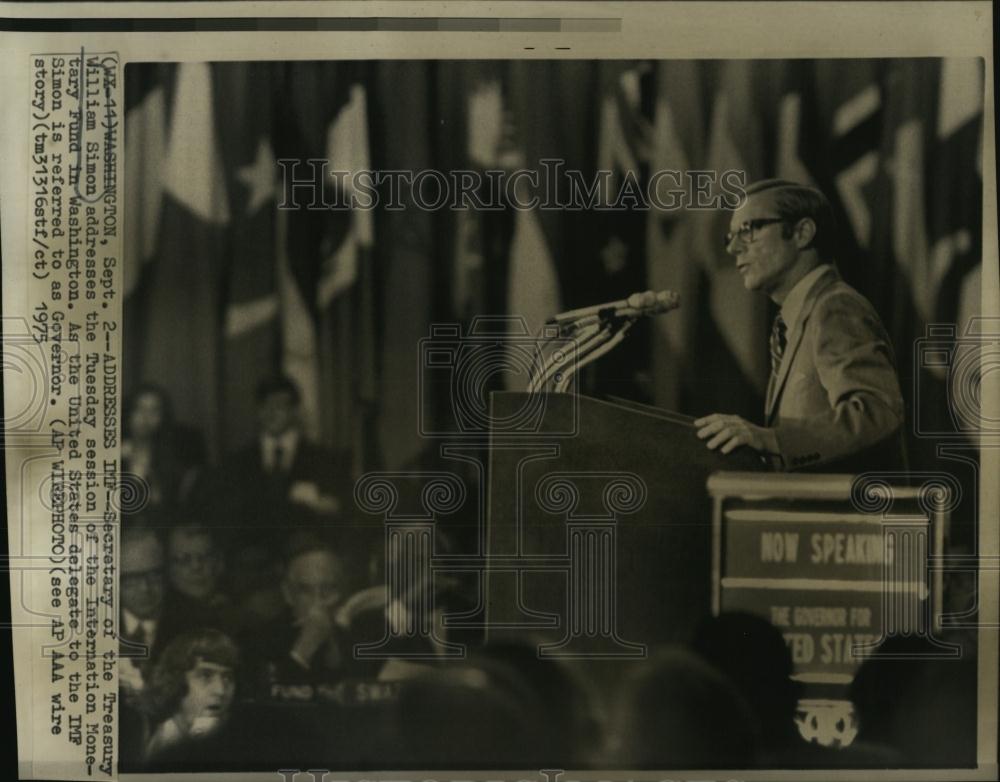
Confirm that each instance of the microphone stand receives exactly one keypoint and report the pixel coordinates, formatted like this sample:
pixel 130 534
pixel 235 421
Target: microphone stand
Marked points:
pixel 594 336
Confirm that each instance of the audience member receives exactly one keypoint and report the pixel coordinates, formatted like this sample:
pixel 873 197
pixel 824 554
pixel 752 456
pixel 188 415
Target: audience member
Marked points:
pixel 194 565
pixel 916 704
pixel 148 620
pixel 281 479
pixel 455 717
pixel 191 689
pixel 161 459
pixel 568 732
pixel 305 645
pixel 752 653
pixel 274 486
pixel 677 711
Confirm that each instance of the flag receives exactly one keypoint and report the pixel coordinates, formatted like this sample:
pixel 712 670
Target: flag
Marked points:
pixel 482 121
pixel 533 286
pixel 184 306
pixel 346 296
pixel 850 109
pixel 618 228
pixel 243 106
pixel 146 129
pixel 955 227
pixel 148 90
pixel 403 109
pixel 325 279
pixel 735 331
pixel 676 146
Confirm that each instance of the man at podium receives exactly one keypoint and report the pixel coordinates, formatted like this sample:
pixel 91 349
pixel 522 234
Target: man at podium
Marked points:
pixel 833 399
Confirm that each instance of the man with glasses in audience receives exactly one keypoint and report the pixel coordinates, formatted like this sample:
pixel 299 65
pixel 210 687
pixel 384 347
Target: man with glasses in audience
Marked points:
pixel 149 619
pixel 833 399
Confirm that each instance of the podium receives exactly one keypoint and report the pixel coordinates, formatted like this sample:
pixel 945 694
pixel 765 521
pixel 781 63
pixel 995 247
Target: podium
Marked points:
pixel 598 541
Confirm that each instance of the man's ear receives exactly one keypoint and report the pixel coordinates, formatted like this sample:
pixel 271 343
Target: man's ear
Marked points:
pixel 805 232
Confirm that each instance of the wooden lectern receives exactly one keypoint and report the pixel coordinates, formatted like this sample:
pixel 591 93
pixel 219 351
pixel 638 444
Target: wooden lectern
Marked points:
pixel 599 525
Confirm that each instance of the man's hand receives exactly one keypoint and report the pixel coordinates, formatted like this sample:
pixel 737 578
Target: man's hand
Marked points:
pixel 731 431
pixel 307 493
pixel 314 631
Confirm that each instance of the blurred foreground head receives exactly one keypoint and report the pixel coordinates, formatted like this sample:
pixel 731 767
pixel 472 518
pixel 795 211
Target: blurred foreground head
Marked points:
pixel 567 733
pixel 676 711
pixel 456 717
pixel 910 698
pixel 752 653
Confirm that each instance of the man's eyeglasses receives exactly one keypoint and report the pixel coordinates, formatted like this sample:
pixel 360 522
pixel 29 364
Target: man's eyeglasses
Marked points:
pixel 746 231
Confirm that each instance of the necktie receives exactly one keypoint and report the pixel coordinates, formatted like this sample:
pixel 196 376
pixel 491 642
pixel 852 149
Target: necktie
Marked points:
pixel 277 459
pixel 778 342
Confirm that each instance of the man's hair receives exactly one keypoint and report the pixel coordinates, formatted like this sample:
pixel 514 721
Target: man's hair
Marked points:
pixel 191 530
pixel 277 384
pixel 134 536
pixel 302 543
pixel 793 202
pixel 168 685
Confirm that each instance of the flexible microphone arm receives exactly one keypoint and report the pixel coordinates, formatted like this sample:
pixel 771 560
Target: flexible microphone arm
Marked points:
pixel 606 345
pixel 591 338
pixel 595 330
pixel 595 340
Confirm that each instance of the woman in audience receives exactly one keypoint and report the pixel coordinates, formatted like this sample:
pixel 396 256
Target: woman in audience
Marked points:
pixel 161 459
pixel 190 695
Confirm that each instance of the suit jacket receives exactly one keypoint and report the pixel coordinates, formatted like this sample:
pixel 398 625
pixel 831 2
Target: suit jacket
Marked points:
pixel 268 659
pixel 835 402
pixel 245 494
pixel 179 615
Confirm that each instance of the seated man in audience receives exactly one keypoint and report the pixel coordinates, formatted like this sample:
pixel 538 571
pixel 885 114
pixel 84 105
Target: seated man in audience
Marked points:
pixel 264 492
pixel 148 619
pixel 194 570
pixel 307 644
pixel 281 477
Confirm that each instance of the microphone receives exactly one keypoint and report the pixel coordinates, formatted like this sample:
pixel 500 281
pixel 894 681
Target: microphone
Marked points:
pixel 637 305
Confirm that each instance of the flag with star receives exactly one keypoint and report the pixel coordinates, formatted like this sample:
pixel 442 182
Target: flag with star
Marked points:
pixel 244 108
pixel 326 282
pixel 618 234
